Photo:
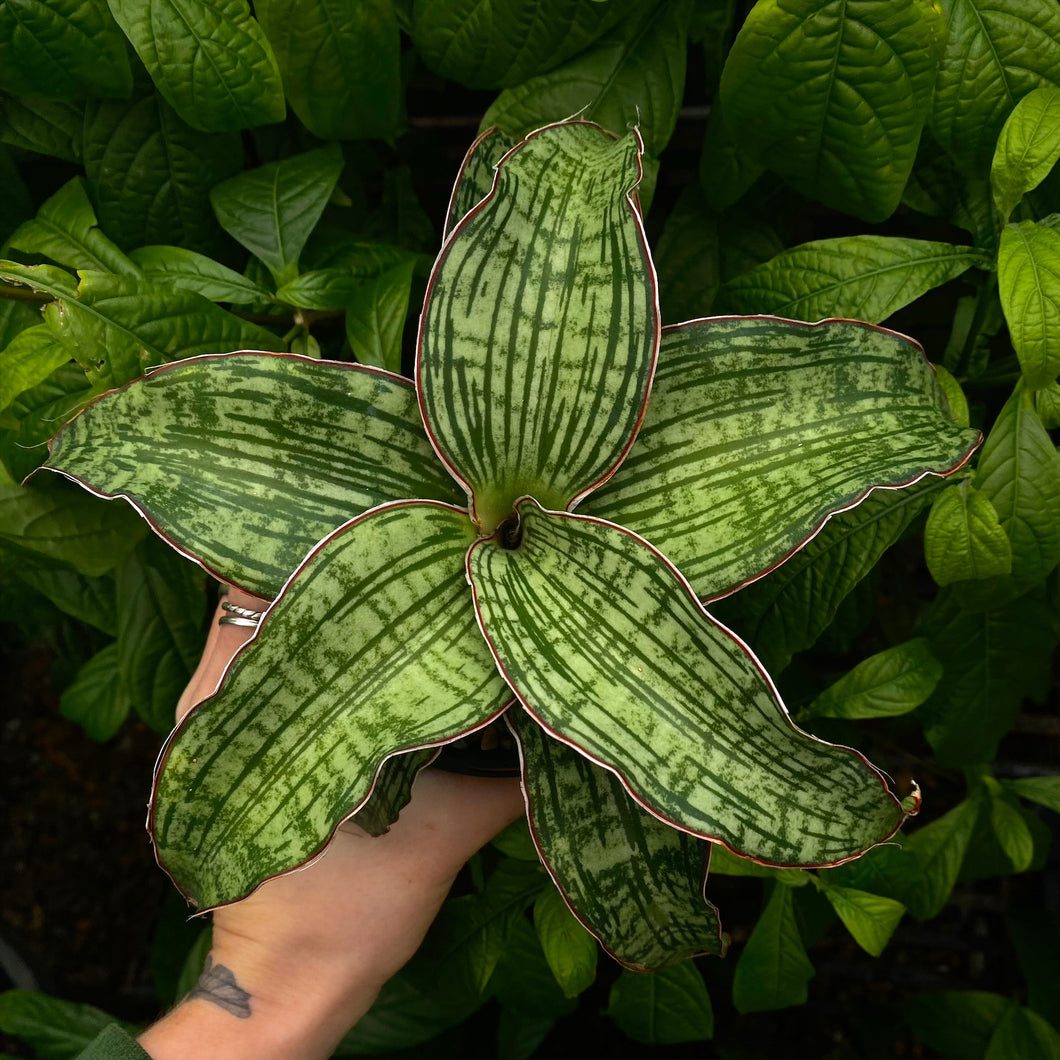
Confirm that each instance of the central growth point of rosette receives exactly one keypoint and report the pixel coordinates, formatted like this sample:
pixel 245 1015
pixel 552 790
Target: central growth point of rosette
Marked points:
pixel 540 332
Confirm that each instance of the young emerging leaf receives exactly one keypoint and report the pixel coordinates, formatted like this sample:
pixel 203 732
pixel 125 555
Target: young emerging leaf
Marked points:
pixel 1027 148
pixel 870 918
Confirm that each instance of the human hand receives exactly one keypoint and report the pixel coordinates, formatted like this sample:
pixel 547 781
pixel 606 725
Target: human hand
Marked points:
pixel 299 961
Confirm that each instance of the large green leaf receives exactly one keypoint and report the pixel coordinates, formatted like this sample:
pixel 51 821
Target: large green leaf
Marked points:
pixel 375 317
pixel 758 429
pixel 939 849
pixel 860 277
pixel 996 52
pixel 507 41
pixel 1022 1032
pixel 1043 790
pixel 1028 277
pixel 633 74
pixel 964 538
pixel 65 230
pixel 191 271
pixel 1019 473
pixel 150 172
pixel 1027 148
pixel 992 660
pixel 371 650
pixel 570 950
pixel 61 48
pixel 870 918
pixel 27 360
pixel 49 127
pixel 539 335
pixel 56 1029
pixel 209 58
pixel 341 64
pixel 663 1009
pixel 773 968
pixel 95 699
pixel 832 95
pixel 634 881
pixel 959 1023
pixel 116 327
pixel 608 647
pixel 271 210
pixel 235 458
pixel 475 179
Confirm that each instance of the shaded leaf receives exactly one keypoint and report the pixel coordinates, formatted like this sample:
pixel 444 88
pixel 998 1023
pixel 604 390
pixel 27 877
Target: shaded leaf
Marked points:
pixel 523 982
pixel 773 969
pixel 1021 1032
pixel 955 398
pixel 90 600
pixel 210 61
pixel 56 1029
pixel 959 1023
pixel 870 918
pixel 1027 148
pixel 1043 790
pixel 27 360
pixel 939 849
pixel 195 272
pixel 1011 830
pixel 963 537
pixel 271 210
pixel 726 172
pixel 96 699
pixel 860 277
pixel 375 317
pixel 832 96
pixel 1028 274
pixel 725 863
pixel 569 949
pixel 894 681
pixel 48 127
pixel 665 1008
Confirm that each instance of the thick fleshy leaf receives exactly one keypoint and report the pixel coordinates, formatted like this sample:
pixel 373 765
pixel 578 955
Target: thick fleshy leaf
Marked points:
pixel 209 59
pixel 62 48
pixel 1027 148
pixel 234 458
pixel 540 331
pixel 371 650
pixel 861 277
pixel 607 646
pixel 758 429
pixel 392 791
pixel 633 881
pixel 341 64
pixel 832 95
pixel 1028 278
pixel 996 52
pixel 634 74
pixel 475 179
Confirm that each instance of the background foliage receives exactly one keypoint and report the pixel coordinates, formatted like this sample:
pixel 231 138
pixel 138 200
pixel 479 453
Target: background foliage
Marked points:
pixel 184 177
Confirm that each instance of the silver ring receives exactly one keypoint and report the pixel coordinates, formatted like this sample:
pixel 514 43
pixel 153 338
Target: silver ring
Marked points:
pixel 244 611
pixel 236 620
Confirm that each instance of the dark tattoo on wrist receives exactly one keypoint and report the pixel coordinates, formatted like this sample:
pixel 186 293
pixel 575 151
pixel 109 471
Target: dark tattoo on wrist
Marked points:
pixel 218 985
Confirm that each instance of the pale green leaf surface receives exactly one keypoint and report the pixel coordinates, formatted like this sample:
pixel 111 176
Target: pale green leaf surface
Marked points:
pixel 888 870
pixel 568 947
pixel 392 791
pixel 1027 148
pixel 939 849
pixel 991 660
pixel 870 918
pixel 1028 276
pixel 832 95
pixel 635 74
pixel 331 288
pixel 1021 1032
pixel 27 360
pixel 47 278
pixel 894 681
pixel 773 969
pixel 1047 405
pixel 996 52
pixel 1019 473
pixel 959 1023
pixel 65 230
pixel 56 1029
pixel 667 1008
pixel 370 651
pixel 235 458
pixel 50 127
pixel 505 42
pixel 475 179
pixel 539 334
pixel 635 882
pixel 964 538
pixel 375 317
pixel 271 210
pixel 16 317
pixel 195 272
pixel 955 398
pixel 150 173
pixel 60 49
pixel 759 429
pixel 1043 790
pixel 341 64
pixel 95 700
pixel 861 277
pixel 608 647
pixel 209 58
pixel 1011 830
pixel 725 863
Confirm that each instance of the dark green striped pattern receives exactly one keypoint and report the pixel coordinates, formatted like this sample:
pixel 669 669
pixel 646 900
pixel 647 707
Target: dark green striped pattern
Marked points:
pixel 392 791
pixel 606 646
pixel 634 882
pixel 371 650
pixel 539 334
pixel 245 461
pixel 475 179
pixel 759 428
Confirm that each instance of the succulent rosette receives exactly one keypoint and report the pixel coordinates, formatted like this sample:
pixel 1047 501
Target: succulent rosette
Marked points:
pixel 529 530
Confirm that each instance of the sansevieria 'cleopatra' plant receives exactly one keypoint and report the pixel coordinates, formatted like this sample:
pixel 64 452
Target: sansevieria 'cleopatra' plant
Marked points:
pixel 531 529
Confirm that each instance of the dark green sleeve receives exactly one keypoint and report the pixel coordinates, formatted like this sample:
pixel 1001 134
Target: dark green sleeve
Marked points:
pixel 113 1044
